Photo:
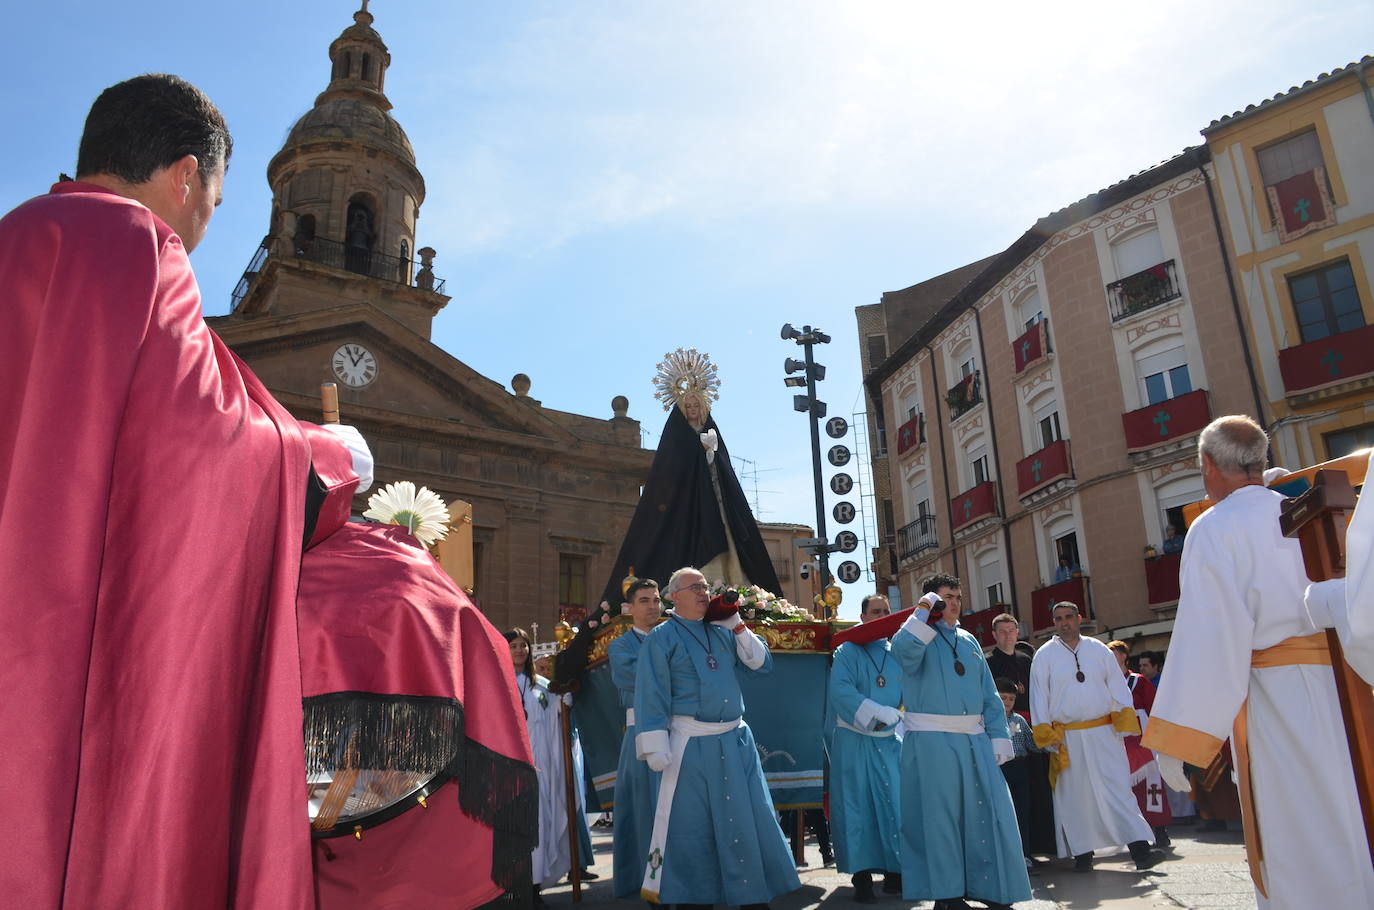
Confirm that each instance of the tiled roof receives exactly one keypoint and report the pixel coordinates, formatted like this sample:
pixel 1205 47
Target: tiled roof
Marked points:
pixel 1310 84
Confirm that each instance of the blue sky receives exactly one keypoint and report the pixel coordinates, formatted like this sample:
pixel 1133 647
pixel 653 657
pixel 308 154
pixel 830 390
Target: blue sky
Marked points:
pixel 608 181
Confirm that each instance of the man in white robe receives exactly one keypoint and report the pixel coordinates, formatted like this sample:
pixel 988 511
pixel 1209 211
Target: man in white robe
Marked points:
pixel 1081 709
pixel 1246 657
pixel 1347 604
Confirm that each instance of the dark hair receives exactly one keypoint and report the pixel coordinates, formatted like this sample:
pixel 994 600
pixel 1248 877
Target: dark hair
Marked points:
pixel 863 604
pixel 1153 656
pixel 639 584
pixel 1006 617
pixel 141 125
pixel 512 635
pixel 936 582
pixel 1005 685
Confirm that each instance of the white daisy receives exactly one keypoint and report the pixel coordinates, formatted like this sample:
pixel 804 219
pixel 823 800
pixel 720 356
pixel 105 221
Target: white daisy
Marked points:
pixel 419 511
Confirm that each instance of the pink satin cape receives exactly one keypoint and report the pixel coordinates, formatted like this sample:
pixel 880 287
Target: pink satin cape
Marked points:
pixel 378 615
pixel 151 498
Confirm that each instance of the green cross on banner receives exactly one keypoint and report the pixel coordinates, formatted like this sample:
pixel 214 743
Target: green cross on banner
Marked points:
pixel 1035 469
pixel 1332 359
pixel 1025 350
pixel 968 509
pixel 1300 209
pixel 1162 418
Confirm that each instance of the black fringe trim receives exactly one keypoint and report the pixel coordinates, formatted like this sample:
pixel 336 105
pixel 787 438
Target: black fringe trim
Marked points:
pixel 427 734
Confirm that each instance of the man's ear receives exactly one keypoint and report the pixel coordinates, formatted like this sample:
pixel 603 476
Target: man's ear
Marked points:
pixel 182 171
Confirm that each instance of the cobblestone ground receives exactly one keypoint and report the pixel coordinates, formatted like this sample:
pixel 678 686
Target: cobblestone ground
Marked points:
pixel 1206 871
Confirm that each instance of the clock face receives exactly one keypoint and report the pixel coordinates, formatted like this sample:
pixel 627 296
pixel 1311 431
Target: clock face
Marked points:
pixel 354 365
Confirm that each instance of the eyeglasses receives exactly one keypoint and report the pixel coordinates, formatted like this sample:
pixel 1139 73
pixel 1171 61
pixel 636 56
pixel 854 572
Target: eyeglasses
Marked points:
pixel 699 587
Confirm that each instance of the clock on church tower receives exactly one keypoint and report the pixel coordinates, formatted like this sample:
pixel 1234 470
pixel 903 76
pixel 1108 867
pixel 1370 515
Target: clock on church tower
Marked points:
pixel 354 365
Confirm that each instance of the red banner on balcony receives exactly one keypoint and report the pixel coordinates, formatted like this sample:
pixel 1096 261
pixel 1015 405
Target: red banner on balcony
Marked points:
pixel 1172 419
pixel 1031 347
pixel 1075 591
pixel 1043 468
pixel 1327 361
pixel 979 624
pixel 1301 205
pixel 971 505
pixel 910 434
pixel 1161 578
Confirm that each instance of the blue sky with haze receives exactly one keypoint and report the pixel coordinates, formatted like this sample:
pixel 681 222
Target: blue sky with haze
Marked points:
pixel 610 180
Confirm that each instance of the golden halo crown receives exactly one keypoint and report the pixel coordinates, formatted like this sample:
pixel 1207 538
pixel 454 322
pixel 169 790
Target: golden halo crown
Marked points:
pixel 686 371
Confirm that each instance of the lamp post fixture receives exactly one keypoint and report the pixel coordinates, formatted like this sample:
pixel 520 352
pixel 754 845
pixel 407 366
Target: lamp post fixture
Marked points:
pixel 811 373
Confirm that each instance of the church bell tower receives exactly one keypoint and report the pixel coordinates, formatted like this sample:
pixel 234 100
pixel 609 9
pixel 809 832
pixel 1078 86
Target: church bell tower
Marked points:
pixel 346 197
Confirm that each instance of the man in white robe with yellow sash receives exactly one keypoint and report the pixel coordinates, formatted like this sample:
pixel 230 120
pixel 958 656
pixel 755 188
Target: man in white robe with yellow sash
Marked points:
pixel 1247 661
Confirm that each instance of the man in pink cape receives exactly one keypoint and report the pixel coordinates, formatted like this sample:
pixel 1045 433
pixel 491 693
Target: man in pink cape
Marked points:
pixel 152 516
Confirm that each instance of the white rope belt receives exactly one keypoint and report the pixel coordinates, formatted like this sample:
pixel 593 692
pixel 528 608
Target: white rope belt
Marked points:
pixel 890 731
pixel 681 728
pixel 971 724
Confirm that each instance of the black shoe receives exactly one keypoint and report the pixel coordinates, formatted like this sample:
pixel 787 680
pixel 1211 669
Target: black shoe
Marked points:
pixel 863 888
pixel 589 876
pixel 827 858
pixel 1083 862
pixel 1162 840
pixel 953 903
pixel 892 883
pixel 1144 857
pixel 993 905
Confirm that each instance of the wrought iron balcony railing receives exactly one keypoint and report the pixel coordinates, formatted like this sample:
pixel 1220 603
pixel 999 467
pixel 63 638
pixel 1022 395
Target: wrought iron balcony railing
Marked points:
pixel 350 259
pixel 917 536
pixel 1143 291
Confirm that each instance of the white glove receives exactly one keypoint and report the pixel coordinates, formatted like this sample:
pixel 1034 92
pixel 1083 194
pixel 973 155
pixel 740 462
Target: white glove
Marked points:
pixel 1171 769
pixel 927 604
pixel 888 717
pixel 357 447
pixel 658 761
pixel 729 622
pixel 1002 750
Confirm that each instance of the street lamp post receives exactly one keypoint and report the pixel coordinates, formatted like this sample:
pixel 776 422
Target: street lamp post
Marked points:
pixel 811 371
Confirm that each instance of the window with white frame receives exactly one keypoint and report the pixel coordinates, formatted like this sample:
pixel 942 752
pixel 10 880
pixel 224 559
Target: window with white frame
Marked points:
pixel 918 502
pixel 1045 416
pixel 967 367
pixel 1137 251
pixel 1028 308
pixel 1163 375
pixel 910 401
pixel 1171 496
pixel 989 571
pixel 1289 157
pixel 1061 536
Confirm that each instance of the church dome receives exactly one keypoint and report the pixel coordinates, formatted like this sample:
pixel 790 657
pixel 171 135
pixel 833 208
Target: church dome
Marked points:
pixel 352 120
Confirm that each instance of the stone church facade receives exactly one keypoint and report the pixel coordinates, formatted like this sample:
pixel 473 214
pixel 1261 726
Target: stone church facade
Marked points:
pixel 339 292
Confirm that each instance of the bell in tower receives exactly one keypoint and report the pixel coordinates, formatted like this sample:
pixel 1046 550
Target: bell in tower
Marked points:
pixel 346 196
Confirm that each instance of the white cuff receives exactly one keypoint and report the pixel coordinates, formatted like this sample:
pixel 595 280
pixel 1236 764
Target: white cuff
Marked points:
pixel 1321 597
pixel 357 447
pixel 1002 750
pixel 650 741
pixel 750 650
pixel 919 628
pixel 730 622
pixel 866 718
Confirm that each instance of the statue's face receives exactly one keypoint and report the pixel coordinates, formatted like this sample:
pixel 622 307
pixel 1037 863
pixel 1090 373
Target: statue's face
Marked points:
pixel 691 408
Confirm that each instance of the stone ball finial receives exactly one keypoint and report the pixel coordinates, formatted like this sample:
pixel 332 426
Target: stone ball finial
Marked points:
pixel 620 406
pixel 521 384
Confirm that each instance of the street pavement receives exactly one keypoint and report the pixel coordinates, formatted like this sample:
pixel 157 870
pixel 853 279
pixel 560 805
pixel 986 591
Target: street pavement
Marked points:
pixel 1206 871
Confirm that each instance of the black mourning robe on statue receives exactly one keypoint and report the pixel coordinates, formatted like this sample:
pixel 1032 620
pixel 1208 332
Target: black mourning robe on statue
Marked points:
pixel 678 523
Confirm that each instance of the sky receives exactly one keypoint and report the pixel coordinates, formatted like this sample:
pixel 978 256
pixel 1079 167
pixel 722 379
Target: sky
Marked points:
pixel 608 181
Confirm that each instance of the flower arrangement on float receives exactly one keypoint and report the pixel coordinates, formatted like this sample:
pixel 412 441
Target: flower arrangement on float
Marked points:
pixel 758 605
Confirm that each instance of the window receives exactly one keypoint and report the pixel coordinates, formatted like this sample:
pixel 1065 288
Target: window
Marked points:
pixel 1289 157
pixel 881 447
pixel 877 350
pixel 1164 375
pixel 1049 429
pixel 889 523
pixel 1344 442
pixel 989 576
pixel 1326 301
pixel 572 580
pixel 1046 418
pixel 1066 548
pixel 980 470
pixel 923 509
pixel 367 67
pixel 966 368
pixel 1028 308
pixel 920 499
pixel 994 595
pixel 1172 496
pixel 1137 252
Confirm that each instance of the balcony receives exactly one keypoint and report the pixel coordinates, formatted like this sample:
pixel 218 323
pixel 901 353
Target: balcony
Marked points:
pixel 1032 347
pixel 1161 579
pixel 1171 420
pixel 973 505
pixel 911 434
pixel 358 260
pixel 1326 362
pixel 1143 291
pixel 979 623
pixel 1075 591
pixel 965 396
pixel 1043 468
pixel 920 535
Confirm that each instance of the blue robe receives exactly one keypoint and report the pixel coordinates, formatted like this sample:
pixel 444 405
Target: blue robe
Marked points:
pixel 864 770
pixel 959 832
pixel 636 785
pixel 724 844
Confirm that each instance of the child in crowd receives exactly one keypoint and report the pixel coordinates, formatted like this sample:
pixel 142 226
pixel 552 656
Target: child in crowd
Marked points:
pixel 1017 771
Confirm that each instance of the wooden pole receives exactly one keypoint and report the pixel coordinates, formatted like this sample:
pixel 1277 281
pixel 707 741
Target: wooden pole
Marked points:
pixel 575 872
pixel 329 401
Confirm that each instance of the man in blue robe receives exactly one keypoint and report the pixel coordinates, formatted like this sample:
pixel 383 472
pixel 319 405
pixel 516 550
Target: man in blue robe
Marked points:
pixel 865 756
pixel 716 838
pixel 636 785
pixel 959 833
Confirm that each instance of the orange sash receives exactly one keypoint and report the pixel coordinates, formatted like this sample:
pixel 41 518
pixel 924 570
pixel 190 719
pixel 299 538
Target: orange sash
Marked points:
pixel 1052 734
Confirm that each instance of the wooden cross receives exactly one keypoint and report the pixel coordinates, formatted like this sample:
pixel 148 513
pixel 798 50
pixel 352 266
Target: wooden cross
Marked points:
pixel 1318 519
